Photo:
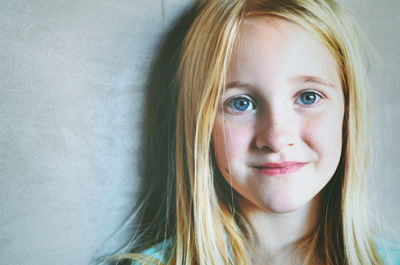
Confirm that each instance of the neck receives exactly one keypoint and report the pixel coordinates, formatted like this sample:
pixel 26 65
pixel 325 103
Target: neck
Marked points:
pixel 276 235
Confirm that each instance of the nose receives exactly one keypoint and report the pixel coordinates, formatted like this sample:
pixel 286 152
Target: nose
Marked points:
pixel 275 132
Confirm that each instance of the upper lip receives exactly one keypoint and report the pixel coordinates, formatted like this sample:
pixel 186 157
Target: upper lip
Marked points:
pixel 279 165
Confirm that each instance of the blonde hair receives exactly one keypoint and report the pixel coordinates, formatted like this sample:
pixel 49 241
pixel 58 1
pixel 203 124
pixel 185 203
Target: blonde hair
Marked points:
pixel 209 228
pixel 208 231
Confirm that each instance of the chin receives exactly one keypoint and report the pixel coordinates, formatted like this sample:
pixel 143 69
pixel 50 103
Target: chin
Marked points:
pixel 284 208
pixel 287 205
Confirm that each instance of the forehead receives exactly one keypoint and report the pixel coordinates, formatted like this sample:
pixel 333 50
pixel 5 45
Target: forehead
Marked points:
pixel 281 49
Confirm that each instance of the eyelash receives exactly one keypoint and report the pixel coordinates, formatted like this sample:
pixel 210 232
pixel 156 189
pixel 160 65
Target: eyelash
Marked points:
pixel 229 103
pixel 318 98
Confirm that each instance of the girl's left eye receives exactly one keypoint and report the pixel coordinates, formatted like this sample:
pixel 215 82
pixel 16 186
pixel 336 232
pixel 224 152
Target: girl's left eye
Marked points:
pixel 308 98
pixel 240 104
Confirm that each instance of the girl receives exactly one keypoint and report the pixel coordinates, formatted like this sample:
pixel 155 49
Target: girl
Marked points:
pixel 271 139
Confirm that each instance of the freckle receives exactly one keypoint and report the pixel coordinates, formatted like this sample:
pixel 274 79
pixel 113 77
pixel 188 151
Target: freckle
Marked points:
pixel 227 171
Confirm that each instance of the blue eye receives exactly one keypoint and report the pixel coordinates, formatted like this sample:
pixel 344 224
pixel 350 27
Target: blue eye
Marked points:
pixel 241 104
pixel 308 98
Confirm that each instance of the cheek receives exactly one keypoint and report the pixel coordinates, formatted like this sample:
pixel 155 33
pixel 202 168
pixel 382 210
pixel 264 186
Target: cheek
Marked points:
pixel 323 133
pixel 219 146
pixel 231 144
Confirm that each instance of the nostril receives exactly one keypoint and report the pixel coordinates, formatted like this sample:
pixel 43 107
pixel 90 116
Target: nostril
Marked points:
pixel 265 148
pixel 275 139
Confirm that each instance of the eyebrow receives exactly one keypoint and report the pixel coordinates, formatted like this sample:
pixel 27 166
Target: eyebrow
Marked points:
pixel 300 78
pixel 238 84
pixel 312 79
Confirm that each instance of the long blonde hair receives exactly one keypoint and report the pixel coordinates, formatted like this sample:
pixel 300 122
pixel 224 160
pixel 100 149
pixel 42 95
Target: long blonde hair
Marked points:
pixel 208 226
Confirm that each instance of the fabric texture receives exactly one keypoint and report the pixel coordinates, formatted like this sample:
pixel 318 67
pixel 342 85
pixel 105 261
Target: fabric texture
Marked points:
pixel 388 250
pixel 158 254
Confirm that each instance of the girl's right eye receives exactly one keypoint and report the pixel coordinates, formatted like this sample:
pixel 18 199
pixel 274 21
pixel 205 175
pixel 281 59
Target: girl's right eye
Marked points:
pixel 240 104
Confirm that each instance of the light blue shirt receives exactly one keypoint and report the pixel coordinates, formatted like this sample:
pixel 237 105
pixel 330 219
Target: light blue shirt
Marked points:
pixel 159 252
pixel 388 250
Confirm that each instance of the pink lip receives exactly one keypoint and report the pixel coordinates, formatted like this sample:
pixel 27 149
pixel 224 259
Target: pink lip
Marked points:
pixel 279 169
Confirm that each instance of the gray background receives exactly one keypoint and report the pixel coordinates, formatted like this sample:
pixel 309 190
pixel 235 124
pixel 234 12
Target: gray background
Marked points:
pixel 72 86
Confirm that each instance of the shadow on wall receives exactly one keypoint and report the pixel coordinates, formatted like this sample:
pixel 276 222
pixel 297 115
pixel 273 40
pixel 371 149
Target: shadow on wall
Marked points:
pixel 158 185
pixel 156 204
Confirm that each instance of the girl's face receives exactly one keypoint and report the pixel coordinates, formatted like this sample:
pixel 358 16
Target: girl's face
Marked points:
pixel 278 133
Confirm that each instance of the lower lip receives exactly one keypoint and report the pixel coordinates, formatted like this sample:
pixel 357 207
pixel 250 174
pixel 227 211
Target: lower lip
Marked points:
pixel 280 171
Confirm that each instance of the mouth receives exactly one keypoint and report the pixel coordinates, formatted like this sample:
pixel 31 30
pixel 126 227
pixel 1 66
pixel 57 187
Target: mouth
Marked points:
pixel 279 169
